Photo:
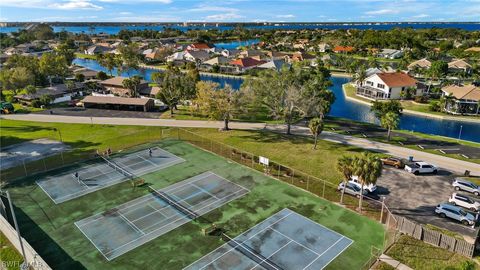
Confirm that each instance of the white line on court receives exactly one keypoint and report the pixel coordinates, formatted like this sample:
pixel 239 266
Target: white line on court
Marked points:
pixel 266 259
pixel 288 237
pixel 325 251
pixel 241 244
pixel 205 191
pixel 338 254
pixel 130 223
pixel 179 219
pixel 149 161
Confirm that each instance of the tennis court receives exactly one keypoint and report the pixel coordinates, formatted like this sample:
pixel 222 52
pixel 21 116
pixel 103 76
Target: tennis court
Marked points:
pixel 285 240
pixel 130 225
pixel 64 186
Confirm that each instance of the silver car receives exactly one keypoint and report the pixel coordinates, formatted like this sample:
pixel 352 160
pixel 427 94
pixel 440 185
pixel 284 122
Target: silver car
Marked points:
pixel 464 201
pixel 462 184
pixel 456 213
pixel 352 189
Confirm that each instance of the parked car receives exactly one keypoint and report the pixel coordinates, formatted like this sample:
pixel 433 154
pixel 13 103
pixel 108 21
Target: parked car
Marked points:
pixel 462 184
pixel 351 189
pixel 456 213
pixel 420 167
pixel 370 187
pixel 392 161
pixel 464 201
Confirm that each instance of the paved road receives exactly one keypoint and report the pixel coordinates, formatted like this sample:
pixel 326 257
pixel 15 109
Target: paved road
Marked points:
pixel 444 162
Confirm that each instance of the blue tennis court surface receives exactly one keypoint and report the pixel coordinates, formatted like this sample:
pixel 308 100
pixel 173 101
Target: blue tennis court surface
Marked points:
pixel 130 225
pixel 286 240
pixel 64 186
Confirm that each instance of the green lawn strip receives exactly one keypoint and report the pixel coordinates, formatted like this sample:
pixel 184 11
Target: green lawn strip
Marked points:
pixel 419 255
pixel 382 266
pixel 63 246
pixel 10 257
pixel 350 92
pixel 85 56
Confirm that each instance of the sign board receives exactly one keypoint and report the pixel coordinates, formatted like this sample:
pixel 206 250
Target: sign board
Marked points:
pixel 263 160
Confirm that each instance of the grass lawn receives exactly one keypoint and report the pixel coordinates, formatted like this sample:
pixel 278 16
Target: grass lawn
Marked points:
pixel 50 229
pixel 85 56
pixel 10 258
pixel 416 254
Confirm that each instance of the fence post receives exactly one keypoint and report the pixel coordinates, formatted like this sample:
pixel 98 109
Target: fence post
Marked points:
pixel 323 191
pixel 61 155
pixel 178 134
pixel 44 165
pixel 253 160
pixel 381 213
pixel 308 180
pixel 278 174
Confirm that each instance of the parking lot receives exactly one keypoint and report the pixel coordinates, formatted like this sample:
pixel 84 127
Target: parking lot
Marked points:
pixel 416 196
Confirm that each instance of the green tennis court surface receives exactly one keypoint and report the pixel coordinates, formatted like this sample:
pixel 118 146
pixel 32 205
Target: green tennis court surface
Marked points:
pixel 285 240
pixel 119 230
pixel 50 228
pixel 65 186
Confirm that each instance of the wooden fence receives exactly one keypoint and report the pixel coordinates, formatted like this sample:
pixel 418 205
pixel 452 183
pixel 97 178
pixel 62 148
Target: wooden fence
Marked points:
pixel 435 238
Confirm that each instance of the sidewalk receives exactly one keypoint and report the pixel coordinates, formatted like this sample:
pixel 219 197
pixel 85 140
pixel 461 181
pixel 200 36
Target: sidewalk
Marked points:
pixel 447 163
pixel 396 264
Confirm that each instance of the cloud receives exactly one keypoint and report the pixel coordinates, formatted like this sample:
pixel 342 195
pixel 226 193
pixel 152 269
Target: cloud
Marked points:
pixel 205 8
pixel 286 16
pixel 223 17
pixel 130 2
pixel 79 4
pixel 381 12
pixel 419 16
pixel 125 13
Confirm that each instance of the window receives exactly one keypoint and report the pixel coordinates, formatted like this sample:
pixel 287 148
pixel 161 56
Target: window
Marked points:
pixel 381 86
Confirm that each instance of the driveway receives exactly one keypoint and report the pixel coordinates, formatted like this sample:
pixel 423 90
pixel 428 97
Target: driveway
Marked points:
pixel 416 196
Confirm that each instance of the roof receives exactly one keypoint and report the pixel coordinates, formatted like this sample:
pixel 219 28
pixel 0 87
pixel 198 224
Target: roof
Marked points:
pixel 116 100
pixel 459 63
pixel 202 55
pixel 54 91
pixel 118 81
pixel 470 92
pixel 422 63
pixel 247 62
pixel 343 49
pixel 201 46
pixel 220 60
pixel 273 64
pixel 473 49
pixel 302 56
pixel 396 79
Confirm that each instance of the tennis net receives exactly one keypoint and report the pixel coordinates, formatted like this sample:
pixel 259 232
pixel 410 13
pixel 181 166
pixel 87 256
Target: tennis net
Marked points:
pixel 117 168
pixel 250 253
pixel 164 197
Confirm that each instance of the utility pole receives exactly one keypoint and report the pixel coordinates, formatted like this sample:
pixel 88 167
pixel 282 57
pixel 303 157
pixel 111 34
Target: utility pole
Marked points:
pixel 25 263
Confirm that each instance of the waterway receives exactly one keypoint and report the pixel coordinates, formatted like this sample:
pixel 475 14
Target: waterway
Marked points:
pixel 345 108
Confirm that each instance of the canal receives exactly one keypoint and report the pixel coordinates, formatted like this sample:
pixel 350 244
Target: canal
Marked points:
pixel 346 108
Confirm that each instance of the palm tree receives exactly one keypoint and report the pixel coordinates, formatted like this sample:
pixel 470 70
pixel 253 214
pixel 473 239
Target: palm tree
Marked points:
pixel 390 121
pixel 345 167
pixel 360 76
pixel 316 127
pixel 368 168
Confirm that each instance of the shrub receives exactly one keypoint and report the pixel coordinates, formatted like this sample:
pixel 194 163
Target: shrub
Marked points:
pixel 421 99
pixel 36 103
pixel 435 106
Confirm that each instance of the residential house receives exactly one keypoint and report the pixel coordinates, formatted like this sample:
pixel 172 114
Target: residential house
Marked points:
pixel 302 56
pixel 97 49
pixel 459 66
pixel 58 93
pixel 329 59
pixel 386 85
pixel 343 49
pixel 371 71
pixel 119 103
pixel 115 86
pixel 230 53
pixel 88 74
pixel 259 55
pixel 390 53
pixel 177 57
pixel 201 47
pixel 463 99
pixel 323 47
pixel 274 55
pixel 246 63
pixel 422 64
pixel 274 64
pixel 196 56
pixel 219 61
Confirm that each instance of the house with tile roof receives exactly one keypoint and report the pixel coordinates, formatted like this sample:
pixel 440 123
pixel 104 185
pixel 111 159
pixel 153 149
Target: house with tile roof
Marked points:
pixel 343 49
pixel 246 63
pixel 459 66
pixel 463 99
pixel 386 85
pixel 201 47
pixel 420 64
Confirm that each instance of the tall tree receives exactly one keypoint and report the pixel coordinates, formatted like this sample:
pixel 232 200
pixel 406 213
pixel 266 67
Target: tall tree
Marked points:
pixel 219 103
pixel 316 127
pixel 16 79
pixel 368 168
pixel 380 108
pixel 390 121
pixel 53 66
pixel 132 85
pixel 109 61
pixel 130 56
pixel 345 166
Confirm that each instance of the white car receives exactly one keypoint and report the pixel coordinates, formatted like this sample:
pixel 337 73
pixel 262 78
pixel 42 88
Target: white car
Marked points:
pixel 420 167
pixel 370 187
pixel 464 201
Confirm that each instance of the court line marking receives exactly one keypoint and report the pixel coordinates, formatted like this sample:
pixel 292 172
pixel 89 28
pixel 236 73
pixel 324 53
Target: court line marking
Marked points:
pixel 288 237
pixel 149 161
pixel 205 191
pixel 276 251
pixel 339 253
pixel 48 194
pixel 179 219
pixel 243 233
pixel 245 240
pixel 319 256
pixel 130 223
pixel 91 241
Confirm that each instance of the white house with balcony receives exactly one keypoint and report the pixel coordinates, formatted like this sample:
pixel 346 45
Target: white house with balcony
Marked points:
pixel 386 85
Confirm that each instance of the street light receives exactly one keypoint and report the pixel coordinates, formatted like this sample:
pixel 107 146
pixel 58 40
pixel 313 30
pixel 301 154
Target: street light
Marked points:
pixel 59 133
pixel 460 133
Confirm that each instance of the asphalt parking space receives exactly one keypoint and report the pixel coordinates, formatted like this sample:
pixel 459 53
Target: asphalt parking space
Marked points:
pixel 91 112
pixel 416 196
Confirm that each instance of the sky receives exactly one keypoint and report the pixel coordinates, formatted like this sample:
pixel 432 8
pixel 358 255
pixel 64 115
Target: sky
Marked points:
pixel 239 10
